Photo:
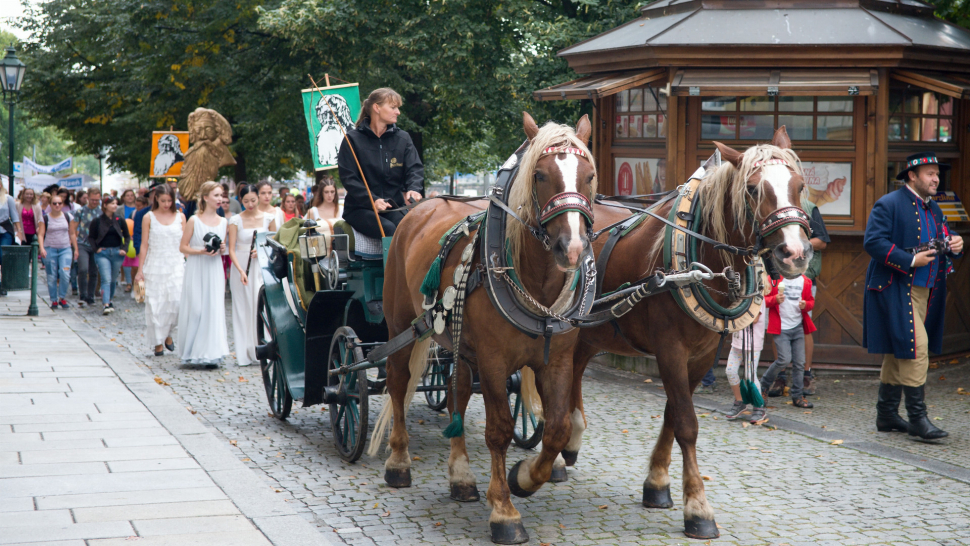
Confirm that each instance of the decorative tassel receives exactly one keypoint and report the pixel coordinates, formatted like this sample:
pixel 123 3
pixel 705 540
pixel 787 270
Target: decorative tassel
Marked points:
pixel 433 279
pixel 454 429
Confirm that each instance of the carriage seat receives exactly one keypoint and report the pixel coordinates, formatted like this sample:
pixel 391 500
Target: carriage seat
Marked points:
pixel 362 246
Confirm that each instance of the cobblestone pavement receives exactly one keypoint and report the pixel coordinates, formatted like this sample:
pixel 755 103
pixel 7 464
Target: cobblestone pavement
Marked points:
pixel 847 403
pixel 767 486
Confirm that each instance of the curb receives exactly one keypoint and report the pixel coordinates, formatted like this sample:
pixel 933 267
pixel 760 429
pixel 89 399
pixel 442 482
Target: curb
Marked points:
pixel 958 473
pixel 277 520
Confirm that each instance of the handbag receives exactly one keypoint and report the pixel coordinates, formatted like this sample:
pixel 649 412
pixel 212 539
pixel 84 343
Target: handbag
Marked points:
pixel 138 292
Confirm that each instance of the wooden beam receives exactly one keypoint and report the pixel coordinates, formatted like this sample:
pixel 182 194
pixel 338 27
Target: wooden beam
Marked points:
pixel 881 148
pixel 932 83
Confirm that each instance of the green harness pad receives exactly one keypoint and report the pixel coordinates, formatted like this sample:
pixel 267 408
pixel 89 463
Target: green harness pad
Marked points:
pixel 692 256
pixel 432 279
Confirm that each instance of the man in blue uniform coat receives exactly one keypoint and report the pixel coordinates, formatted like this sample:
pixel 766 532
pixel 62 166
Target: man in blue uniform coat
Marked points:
pixel 905 293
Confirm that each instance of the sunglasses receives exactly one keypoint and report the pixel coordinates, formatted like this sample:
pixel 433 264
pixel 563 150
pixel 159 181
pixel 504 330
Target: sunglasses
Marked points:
pixel 57 204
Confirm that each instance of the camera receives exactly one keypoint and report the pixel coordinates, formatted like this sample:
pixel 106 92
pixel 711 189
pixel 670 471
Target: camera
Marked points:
pixel 212 242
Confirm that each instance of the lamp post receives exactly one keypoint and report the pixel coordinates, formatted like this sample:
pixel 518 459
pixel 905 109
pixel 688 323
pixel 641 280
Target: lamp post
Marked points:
pixel 102 152
pixel 11 77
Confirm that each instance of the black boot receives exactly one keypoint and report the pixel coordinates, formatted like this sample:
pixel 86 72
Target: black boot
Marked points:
pixel 920 425
pixel 887 409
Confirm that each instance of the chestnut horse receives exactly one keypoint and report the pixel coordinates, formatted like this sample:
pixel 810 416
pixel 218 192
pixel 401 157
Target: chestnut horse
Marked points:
pixel 684 348
pixel 490 345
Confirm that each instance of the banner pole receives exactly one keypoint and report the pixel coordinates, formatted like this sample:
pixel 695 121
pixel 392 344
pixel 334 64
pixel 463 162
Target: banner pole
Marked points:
pixel 362 177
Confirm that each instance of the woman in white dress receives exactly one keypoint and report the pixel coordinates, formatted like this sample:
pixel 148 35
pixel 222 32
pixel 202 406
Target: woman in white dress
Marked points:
pixel 244 285
pixel 202 313
pixel 324 205
pixel 265 191
pixel 162 267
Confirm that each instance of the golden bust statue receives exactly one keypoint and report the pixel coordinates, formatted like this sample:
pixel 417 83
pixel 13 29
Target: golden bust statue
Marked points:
pixel 209 137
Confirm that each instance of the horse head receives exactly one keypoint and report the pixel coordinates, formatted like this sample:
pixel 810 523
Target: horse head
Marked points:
pixel 555 187
pixel 771 201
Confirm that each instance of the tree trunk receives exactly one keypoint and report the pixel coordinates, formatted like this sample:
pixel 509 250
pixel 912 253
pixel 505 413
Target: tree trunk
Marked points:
pixel 240 168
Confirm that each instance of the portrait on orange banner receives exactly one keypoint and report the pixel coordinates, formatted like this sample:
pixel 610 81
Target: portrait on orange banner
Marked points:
pixel 168 152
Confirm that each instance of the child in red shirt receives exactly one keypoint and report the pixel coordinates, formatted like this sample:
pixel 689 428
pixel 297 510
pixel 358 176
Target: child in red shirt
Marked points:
pixel 788 305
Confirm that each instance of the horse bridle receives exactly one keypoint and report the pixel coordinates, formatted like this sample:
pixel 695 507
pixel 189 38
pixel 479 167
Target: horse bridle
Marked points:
pixel 779 218
pixel 567 201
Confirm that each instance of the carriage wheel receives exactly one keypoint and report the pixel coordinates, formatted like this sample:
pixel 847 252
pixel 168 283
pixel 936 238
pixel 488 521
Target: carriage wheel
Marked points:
pixel 526 428
pixel 437 375
pixel 270 363
pixel 348 414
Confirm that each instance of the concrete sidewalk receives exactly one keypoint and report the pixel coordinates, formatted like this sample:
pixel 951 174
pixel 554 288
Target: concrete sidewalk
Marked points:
pixel 94 452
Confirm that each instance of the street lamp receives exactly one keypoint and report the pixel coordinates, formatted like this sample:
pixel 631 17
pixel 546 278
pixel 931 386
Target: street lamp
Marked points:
pixel 12 76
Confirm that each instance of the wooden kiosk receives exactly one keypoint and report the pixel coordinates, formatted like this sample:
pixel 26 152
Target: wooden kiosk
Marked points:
pixel 860 84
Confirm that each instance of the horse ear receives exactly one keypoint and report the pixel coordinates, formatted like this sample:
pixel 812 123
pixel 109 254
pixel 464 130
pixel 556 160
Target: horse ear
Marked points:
pixel 729 154
pixel 781 138
pixel 583 129
pixel 529 126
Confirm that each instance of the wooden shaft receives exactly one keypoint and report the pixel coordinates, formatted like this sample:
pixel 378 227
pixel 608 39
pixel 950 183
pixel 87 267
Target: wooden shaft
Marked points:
pixel 362 177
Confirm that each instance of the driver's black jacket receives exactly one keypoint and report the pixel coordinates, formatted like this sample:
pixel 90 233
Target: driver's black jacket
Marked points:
pixel 390 164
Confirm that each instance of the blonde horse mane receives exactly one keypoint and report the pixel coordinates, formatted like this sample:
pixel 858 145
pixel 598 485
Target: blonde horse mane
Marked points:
pixel 728 183
pixel 520 194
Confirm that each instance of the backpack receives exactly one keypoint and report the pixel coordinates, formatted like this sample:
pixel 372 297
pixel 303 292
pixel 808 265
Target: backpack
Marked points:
pixel 66 215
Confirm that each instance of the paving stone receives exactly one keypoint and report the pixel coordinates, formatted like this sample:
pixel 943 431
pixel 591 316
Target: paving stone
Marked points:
pixel 192 525
pixel 49 533
pixel 59 469
pixel 250 538
pixel 121 498
pixel 103 454
pixel 16 504
pixel 156 511
pixel 152 464
pixel 38 446
pixel 35 518
pixel 102 483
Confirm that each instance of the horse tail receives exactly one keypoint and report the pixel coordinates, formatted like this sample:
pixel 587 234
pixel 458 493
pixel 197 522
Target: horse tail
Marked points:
pixel 529 392
pixel 417 364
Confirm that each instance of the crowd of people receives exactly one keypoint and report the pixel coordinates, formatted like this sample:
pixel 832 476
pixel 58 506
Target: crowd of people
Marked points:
pixel 93 245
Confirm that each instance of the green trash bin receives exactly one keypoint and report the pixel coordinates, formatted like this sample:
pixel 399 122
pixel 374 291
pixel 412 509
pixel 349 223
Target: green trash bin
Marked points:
pixel 15 271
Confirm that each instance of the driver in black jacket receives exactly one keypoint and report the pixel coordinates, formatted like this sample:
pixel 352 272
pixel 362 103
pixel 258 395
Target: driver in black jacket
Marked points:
pixel 390 163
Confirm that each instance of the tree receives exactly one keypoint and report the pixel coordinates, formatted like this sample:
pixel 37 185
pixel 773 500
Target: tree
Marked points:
pixel 110 72
pixel 29 135
pixel 954 11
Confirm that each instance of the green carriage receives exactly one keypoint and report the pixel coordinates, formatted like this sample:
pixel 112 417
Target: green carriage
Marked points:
pixel 320 314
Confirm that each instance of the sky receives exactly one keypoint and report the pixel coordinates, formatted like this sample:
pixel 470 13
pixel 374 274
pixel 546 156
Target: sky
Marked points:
pixel 11 9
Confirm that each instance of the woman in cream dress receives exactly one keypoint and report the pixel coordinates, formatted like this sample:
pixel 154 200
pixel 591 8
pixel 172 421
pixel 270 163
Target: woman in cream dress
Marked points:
pixel 244 285
pixel 202 312
pixel 162 268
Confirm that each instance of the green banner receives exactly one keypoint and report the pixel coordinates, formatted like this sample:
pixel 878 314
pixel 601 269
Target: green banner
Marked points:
pixel 319 106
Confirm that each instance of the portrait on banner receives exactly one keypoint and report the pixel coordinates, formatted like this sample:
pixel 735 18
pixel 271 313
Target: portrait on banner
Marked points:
pixel 320 105
pixel 168 152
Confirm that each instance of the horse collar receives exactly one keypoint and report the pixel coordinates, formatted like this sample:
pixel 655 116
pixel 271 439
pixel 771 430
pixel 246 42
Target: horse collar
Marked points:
pixel 496 263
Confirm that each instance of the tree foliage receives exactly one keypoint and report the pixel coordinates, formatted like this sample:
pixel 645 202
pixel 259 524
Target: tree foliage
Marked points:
pixel 45 144
pixel 107 72
pixel 954 11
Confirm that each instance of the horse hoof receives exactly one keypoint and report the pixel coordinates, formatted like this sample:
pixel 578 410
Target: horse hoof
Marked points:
pixel 398 477
pixel 570 457
pixel 464 492
pixel 701 528
pixel 559 475
pixel 518 492
pixel 509 533
pixel 657 498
